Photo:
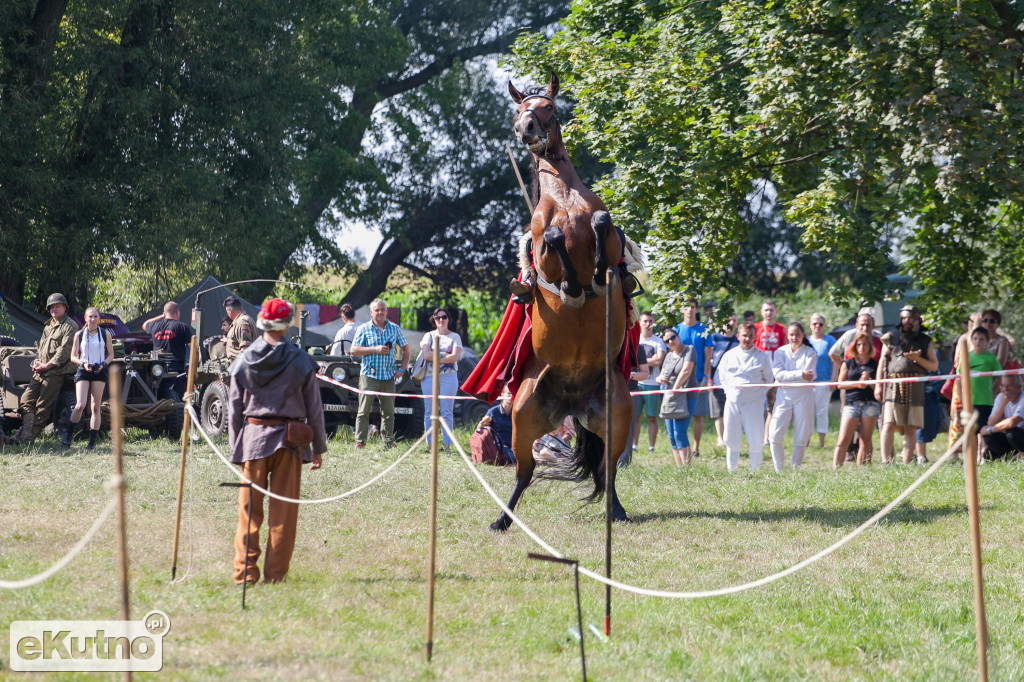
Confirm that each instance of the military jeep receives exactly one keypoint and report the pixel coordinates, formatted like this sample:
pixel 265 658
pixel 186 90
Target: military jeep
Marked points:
pixel 15 375
pixel 340 404
pixel 150 398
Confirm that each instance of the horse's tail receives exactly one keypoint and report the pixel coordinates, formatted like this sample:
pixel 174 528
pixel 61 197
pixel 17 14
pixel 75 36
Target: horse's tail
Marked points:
pixel 585 462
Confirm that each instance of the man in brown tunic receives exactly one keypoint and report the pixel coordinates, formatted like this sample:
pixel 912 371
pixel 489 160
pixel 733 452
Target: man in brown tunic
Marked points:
pixel 49 370
pixel 272 383
pixel 242 331
pixel 907 352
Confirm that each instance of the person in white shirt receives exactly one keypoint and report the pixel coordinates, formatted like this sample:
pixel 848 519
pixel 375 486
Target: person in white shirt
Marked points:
pixel 347 332
pixel 744 407
pixel 1005 430
pixel 794 363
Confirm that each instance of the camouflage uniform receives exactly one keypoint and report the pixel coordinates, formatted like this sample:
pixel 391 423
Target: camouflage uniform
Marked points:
pixel 242 333
pixel 37 400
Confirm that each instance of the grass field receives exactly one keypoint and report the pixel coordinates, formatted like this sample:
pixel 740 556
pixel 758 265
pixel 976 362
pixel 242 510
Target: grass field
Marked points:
pixel 895 604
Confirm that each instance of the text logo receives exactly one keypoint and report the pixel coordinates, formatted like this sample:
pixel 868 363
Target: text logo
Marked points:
pixel 89 645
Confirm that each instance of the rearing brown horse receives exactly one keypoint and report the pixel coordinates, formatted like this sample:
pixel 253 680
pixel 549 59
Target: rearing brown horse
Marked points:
pixel 573 244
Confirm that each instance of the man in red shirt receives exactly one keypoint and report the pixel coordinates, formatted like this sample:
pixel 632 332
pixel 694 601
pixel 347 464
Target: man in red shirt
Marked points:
pixel 769 336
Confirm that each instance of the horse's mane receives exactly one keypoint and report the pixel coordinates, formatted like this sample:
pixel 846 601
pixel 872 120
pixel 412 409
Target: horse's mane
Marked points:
pixel 534 180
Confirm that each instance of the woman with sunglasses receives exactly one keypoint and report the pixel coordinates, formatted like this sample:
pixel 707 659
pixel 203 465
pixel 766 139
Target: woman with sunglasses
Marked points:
pixel 677 372
pixel 451 348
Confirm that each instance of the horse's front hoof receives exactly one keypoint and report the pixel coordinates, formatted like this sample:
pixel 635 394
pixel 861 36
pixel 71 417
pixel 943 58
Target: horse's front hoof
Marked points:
pixel 501 525
pixel 620 517
pixel 522 293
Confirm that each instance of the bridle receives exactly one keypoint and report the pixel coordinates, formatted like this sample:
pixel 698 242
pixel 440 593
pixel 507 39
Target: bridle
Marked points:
pixel 545 130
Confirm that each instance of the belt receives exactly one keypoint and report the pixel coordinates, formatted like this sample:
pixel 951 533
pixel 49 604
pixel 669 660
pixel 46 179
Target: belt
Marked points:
pixel 270 421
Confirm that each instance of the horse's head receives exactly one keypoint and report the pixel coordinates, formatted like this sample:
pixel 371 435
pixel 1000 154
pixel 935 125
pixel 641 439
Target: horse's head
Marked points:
pixel 536 120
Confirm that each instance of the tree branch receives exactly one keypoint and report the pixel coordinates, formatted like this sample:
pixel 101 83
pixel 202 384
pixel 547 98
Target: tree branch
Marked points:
pixel 390 88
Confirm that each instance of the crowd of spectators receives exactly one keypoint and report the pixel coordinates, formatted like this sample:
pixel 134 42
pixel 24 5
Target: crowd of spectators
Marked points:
pixel 756 373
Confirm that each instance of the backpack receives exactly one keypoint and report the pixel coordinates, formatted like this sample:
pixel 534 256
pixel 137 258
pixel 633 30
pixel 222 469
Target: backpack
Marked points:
pixel 485 446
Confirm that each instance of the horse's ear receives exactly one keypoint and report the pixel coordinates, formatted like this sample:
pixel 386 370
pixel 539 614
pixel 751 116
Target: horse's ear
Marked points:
pixel 517 96
pixel 553 86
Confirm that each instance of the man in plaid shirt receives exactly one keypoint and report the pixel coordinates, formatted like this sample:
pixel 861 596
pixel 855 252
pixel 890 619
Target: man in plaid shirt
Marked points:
pixel 375 343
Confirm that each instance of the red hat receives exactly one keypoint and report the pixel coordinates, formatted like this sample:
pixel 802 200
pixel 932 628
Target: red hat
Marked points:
pixel 275 315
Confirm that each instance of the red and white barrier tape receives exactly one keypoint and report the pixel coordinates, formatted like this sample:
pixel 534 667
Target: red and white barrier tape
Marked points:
pixel 697 389
pixel 342 384
pixel 836 384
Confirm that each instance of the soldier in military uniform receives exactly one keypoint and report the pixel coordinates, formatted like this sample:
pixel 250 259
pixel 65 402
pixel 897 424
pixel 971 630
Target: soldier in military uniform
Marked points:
pixel 243 329
pixel 49 370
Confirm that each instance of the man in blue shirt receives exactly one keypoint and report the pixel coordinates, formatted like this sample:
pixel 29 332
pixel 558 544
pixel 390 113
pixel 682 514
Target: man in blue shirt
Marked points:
pixel 692 333
pixel 375 343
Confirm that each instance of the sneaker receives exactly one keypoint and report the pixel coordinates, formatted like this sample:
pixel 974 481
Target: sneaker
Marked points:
pixel 650 449
pixel 696 453
pixel 359 446
pixel 634 448
pixel 921 461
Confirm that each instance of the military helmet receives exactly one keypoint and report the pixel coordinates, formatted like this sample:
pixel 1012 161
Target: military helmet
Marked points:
pixel 56 298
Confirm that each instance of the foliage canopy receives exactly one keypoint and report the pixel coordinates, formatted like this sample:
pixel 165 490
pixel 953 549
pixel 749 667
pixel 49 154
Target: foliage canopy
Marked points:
pixel 878 123
pixel 149 137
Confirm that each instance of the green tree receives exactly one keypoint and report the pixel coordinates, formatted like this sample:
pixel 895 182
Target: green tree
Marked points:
pixel 877 122
pixel 153 135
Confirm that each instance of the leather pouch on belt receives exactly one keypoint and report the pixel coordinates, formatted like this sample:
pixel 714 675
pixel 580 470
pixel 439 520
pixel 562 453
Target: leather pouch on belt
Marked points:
pixel 298 435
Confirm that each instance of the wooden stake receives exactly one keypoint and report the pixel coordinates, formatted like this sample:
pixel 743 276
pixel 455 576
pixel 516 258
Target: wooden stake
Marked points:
pixel 190 384
pixel 971 476
pixel 116 422
pixel 609 367
pixel 435 438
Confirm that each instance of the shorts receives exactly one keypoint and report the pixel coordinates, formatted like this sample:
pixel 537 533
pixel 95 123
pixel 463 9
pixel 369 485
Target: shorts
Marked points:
pixel 98 375
pixel 717 404
pixel 651 404
pixel 868 409
pixel 699 405
pixel 903 415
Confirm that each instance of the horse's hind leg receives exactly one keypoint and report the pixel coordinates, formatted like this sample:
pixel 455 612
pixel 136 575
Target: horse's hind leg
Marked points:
pixel 601 223
pixel 572 292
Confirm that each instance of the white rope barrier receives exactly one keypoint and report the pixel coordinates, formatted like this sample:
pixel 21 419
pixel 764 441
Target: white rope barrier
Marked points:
pixel 73 552
pixel 882 513
pixel 335 498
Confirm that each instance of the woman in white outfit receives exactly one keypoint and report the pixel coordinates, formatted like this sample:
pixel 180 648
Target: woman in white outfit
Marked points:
pixel 795 363
pixel 744 405
pixel 451 349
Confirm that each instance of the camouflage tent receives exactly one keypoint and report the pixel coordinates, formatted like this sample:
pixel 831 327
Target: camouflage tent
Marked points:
pixel 211 302
pixel 20 323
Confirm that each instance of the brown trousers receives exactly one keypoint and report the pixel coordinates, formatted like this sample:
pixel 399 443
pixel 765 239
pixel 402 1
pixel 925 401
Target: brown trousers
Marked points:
pixel 39 398
pixel 284 470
